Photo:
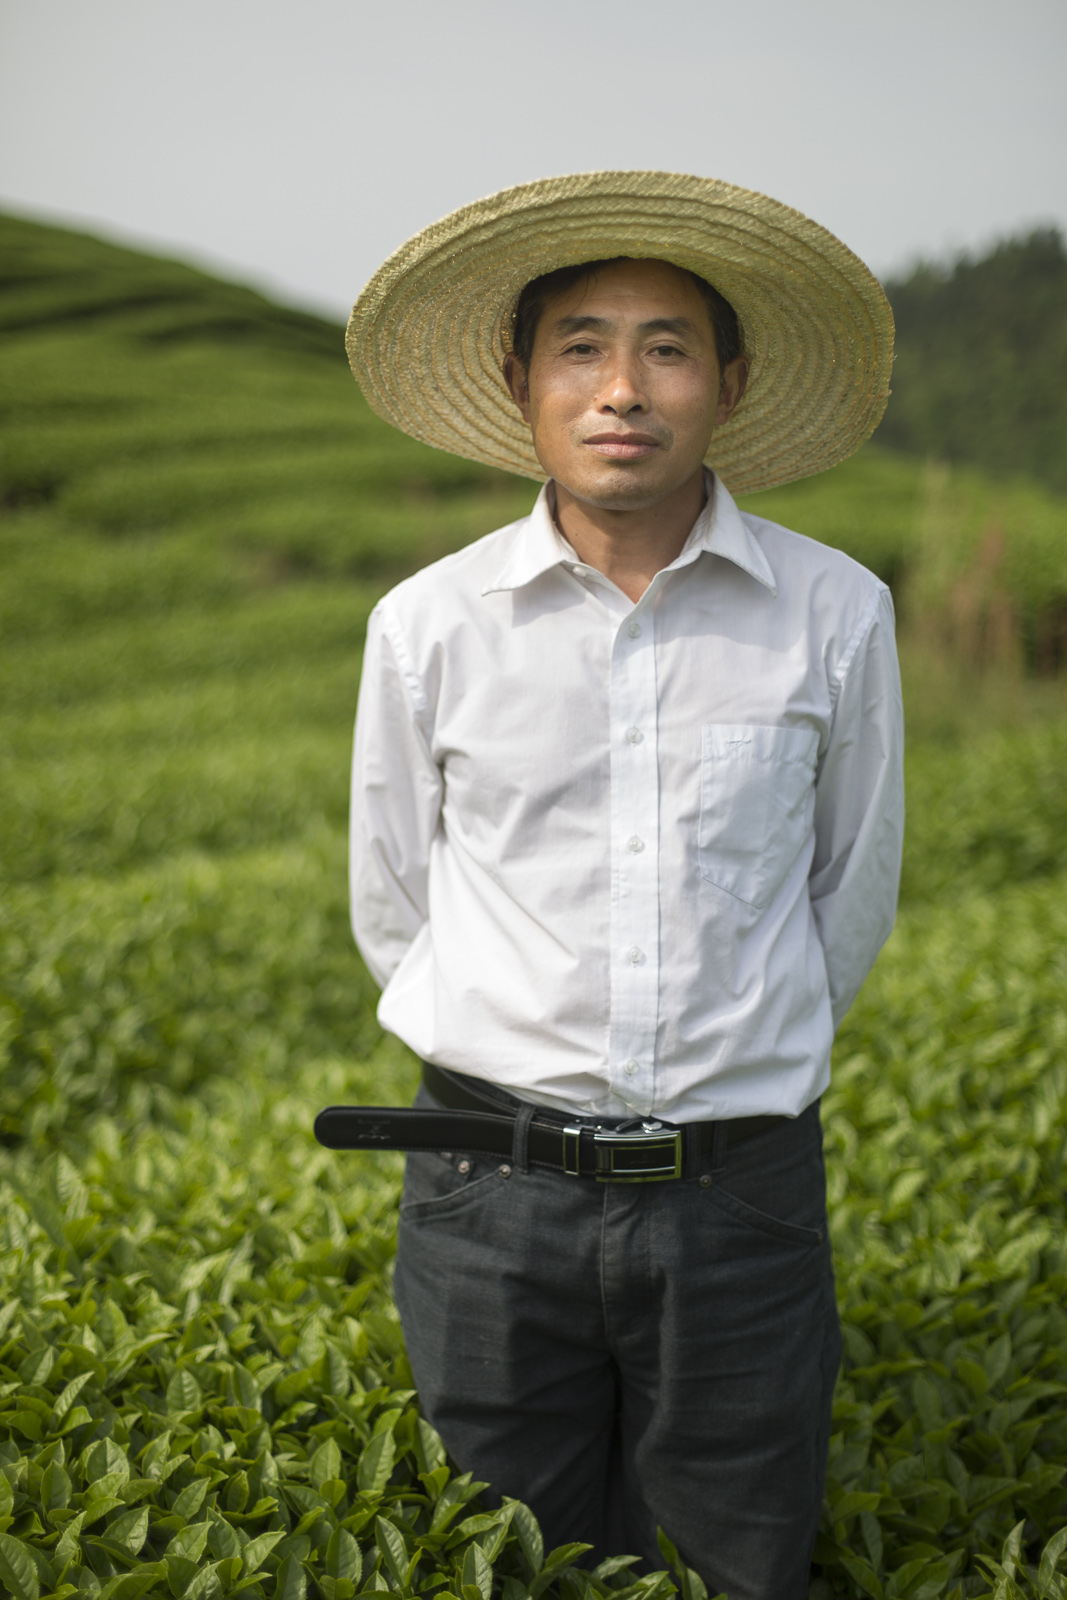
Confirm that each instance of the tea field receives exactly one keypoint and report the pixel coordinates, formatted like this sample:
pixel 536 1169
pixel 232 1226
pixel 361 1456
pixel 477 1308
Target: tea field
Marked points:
pixel 203 1388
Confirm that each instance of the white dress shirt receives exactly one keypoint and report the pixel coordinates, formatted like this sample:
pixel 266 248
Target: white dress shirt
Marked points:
pixel 629 859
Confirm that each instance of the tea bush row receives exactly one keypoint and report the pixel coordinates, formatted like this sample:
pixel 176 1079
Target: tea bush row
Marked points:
pixel 219 1243
pixel 236 966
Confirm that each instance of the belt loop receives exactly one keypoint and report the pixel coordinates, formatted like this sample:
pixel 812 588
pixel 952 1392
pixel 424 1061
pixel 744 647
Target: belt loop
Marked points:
pixel 520 1141
pixel 719 1141
pixel 691 1146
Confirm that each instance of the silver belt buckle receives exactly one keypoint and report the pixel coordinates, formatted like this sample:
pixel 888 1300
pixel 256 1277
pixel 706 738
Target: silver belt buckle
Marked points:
pixel 650 1153
pixel 572 1142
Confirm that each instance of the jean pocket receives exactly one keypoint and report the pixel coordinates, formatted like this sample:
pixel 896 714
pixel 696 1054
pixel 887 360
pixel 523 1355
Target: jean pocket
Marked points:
pixel 788 1232
pixel 757 804
pixel 435 1183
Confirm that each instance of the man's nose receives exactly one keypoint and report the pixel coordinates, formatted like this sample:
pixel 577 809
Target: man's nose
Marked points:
pixel 621 394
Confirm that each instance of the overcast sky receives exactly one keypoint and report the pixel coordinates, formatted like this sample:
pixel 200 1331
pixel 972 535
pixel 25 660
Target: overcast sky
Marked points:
pixel 295 143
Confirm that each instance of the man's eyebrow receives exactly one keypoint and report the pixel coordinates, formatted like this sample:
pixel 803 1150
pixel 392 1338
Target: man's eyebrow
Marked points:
pixel 568 325
pixel 667 325
pixel 571 325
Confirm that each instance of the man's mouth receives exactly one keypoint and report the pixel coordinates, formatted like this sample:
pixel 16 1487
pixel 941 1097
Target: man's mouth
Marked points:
pixel 622 446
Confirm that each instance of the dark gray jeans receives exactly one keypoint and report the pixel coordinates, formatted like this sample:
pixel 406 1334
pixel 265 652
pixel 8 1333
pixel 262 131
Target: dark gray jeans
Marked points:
pixel 625 1355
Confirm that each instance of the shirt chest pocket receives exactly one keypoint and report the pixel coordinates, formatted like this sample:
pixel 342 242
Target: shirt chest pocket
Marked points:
pixel 757 802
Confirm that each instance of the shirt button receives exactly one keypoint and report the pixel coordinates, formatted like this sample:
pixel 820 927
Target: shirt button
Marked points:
pixel 581 572
pixel 635 844
pixel 634 735
pixel 635 955
pixel 634 630
pixel 630 1068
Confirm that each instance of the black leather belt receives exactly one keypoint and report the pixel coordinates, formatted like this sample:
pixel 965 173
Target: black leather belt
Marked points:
pixel 483 1120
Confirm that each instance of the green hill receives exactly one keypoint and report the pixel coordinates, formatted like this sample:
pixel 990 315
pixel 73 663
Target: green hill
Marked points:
pixel 140 397
pixel 981 365
pixel 180 438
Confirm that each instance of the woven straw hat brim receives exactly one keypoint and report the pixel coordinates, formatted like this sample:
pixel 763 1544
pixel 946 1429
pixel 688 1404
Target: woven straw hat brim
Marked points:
pixel 428 335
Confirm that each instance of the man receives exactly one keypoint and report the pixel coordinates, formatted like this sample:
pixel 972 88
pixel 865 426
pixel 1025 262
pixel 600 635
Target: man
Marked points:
pixel 626 826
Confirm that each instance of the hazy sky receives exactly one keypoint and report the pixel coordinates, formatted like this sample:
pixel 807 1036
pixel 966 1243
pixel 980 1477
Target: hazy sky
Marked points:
pixel 295 143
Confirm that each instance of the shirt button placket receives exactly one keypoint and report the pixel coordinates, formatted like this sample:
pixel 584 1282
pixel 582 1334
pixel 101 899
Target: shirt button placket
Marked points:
pixel 635 856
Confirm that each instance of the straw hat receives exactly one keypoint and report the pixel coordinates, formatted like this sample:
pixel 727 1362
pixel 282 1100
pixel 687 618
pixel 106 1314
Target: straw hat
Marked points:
pixel 428 336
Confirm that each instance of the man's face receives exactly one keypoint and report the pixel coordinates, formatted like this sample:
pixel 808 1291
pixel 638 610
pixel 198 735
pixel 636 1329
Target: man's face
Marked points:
pixel 624 386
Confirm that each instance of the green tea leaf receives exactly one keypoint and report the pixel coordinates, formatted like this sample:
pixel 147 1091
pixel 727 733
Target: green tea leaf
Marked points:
pixel 130 1530
pixel 55 1486
pixel 183 1392
pixel 190 1499
pixel 1051 1557
pixel 26 1422
pixel 101 1505
pixel 428 1446
pixel 496 1536
pixel 666 1550
pixel 18 1571
pixel 1017 1254
pixel 68 1548
pixel 343 1557
pixel 325 1463
pixel 529 1533
pixel 390 1542
pixel 188 1545
pixel 863 1575
pixel 223 1541
pixel 613 1564
pixel 257 1550
pixel 291 1580
pixel 37 1365
pixel 849 1505
pixel 236 1495
pixel 130 1585
pixel 558 1560
pixel 564 1555
pixel 335 1588
pixel 68 1394
pixel 975 1377
pixel 376 1463
pixel 477 1573
pixel 205 1581
pixel 998 1358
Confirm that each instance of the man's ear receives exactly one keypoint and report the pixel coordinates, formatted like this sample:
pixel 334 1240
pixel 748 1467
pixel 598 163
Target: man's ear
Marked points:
pixel 515 378
pixel 734 379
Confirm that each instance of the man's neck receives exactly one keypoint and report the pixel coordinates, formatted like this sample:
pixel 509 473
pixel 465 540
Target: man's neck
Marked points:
pixel 630 547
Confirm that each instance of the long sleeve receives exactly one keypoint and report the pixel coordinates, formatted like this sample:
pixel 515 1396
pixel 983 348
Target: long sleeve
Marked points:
pixel 859 809
pixel 396 804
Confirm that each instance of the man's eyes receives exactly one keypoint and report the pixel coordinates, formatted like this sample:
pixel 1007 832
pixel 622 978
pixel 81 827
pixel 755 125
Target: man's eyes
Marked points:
pixel 664 350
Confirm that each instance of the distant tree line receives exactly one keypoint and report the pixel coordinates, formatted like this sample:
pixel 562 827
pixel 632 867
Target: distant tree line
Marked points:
pixel 981 366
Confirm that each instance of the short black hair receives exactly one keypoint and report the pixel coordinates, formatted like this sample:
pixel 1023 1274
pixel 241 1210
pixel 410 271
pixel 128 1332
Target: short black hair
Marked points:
pixel 729 342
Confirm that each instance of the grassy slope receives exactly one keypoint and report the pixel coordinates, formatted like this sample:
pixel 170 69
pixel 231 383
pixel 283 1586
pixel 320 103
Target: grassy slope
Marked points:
pixel 200 513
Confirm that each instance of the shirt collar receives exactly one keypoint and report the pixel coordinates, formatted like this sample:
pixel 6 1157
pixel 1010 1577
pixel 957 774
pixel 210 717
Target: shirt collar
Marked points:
pixel 719 530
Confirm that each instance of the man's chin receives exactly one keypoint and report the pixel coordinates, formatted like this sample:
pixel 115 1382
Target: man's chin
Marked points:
pixel 618 487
